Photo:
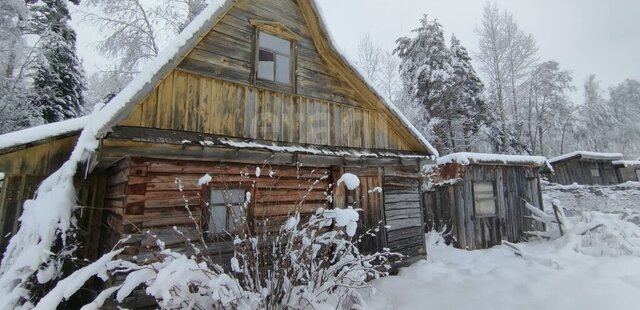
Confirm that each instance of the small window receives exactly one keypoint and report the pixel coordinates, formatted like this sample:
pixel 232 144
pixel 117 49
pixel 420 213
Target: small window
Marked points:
pixel 274 58
pixel 484 199
pixel 595 172
pixel 226 211
pixel 637 174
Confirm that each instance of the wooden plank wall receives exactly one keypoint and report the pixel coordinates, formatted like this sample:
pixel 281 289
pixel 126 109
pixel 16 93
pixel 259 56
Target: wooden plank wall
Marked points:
pixel 40 159
pixel 403 212
pixel 25 168
pixel 223 108
pixel 144 195
pixel 452 206
pixel 628 174
pixel 578 170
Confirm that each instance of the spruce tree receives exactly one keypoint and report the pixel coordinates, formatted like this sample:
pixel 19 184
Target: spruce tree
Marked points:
pixel 426 75
pixel 466 97
pixel 58 80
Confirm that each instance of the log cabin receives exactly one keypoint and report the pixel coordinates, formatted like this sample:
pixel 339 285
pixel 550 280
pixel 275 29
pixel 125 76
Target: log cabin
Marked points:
pixel 478 200
pixel 627 170
pixel 585 168
pixel 251 100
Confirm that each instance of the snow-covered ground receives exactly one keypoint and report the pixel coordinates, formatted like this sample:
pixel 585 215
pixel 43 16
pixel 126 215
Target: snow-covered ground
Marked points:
pixel 596 265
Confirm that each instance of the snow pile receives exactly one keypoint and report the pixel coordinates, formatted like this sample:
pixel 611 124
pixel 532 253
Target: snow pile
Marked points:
pixel 205 179
pixel 350 180
pixel 585 154
pixel 594 266
pixel 471 158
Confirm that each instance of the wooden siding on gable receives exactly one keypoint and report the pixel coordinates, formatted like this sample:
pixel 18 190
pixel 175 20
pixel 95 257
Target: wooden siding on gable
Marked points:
pixel 189 102
pixel 227 51
pixel 213 91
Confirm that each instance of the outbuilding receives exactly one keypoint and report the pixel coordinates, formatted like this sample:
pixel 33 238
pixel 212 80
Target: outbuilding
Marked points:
pixel 585 168
pixel 479 199
pixel 627 170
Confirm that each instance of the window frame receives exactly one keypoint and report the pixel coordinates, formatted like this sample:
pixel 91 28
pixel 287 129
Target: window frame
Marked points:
pixel 293 60
pixel 207 218
pixel 637 174
pixel 597 172
pixel 495 199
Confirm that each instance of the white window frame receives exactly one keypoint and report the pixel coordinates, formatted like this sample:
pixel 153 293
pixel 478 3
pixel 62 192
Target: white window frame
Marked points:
pixel 277 54
pixel 477 197
pixel 230 202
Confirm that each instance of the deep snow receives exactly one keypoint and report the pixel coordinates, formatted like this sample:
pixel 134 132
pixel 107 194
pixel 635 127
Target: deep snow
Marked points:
pixel 595 266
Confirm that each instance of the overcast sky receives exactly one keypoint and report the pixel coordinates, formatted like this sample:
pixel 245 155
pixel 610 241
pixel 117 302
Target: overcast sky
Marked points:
pixel 584 36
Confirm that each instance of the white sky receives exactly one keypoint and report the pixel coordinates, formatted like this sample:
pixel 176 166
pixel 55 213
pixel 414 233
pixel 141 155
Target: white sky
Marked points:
pixel 584 36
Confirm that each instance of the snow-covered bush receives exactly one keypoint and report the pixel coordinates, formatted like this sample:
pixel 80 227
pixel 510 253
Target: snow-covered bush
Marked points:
pixel 312 265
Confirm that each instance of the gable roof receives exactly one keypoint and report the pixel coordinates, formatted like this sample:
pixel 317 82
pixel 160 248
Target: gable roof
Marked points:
pixel 125 101
pixel 496 159
pixel 586 155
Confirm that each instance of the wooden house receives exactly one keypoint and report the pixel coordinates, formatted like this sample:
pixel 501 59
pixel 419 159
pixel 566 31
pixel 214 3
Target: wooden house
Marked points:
pixel 251 100
pixel 480 198
pixel 586 168
pixel 627 170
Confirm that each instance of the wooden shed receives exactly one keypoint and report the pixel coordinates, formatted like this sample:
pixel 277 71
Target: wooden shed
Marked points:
pixel 586 168
pixel 627 170
pixel 480 198
pixel 254 97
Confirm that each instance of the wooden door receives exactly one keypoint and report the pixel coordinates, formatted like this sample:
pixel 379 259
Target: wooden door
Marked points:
pixel 368 199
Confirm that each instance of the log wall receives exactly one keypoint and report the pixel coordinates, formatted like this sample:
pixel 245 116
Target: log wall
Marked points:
pixel 153 195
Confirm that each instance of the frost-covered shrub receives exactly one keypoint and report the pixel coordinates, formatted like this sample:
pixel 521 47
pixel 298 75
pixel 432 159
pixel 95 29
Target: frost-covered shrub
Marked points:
pixel 310 264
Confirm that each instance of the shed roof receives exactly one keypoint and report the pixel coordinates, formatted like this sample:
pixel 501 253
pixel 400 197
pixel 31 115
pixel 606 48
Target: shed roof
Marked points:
pixel 121 105
pixel 587 155
pixel 497 159
pixel 627 163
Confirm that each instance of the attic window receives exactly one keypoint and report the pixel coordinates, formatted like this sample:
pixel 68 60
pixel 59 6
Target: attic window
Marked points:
pixel 274 59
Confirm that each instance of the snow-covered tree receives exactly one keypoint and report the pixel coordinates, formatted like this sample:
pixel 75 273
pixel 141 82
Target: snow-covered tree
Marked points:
pixel 426 74
pixel 624 106
pixel 594 119
pixel 506 55
pixel 58 81
pixel 466 100
pixel 135 31
pixel 549 110
pixel 15 60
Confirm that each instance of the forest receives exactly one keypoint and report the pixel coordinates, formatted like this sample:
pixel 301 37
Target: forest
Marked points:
pixel 501 98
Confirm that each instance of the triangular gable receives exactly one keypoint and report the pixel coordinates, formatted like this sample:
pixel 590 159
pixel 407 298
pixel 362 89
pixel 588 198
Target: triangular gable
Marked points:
pixel 146 83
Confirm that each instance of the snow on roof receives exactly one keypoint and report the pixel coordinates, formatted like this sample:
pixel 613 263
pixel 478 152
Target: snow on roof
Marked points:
pixel 42 132
pixel 587 155
pixel 627 163
pixel 477 158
